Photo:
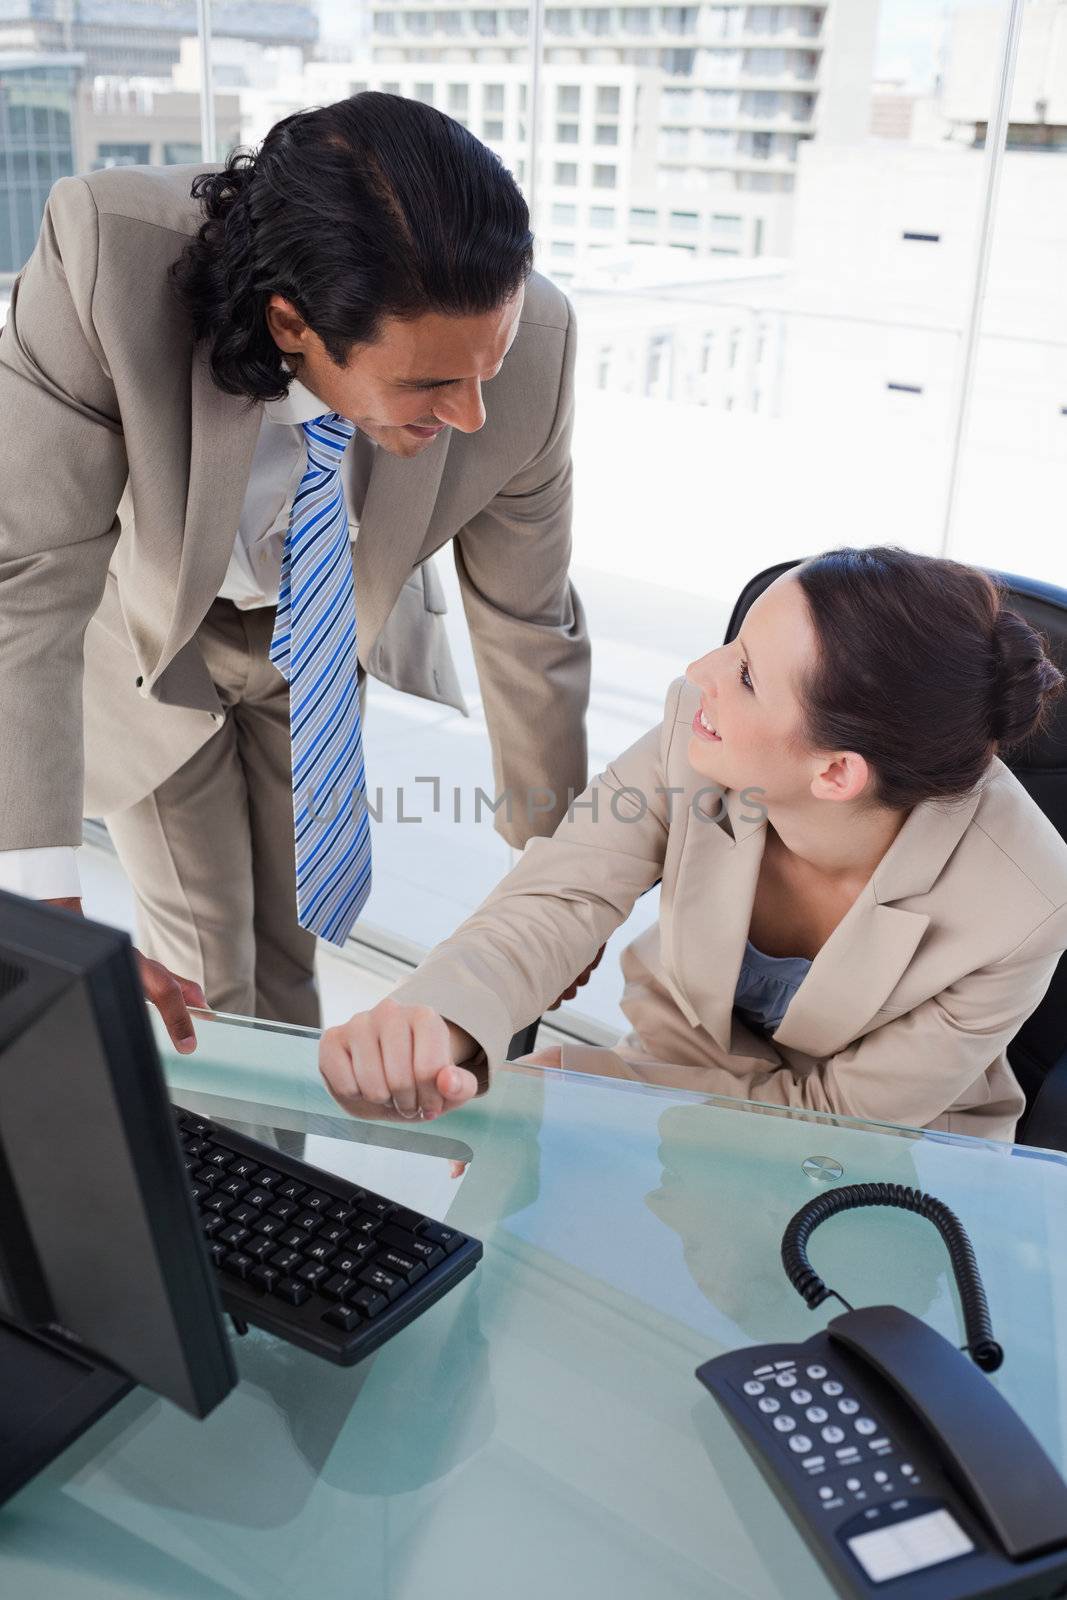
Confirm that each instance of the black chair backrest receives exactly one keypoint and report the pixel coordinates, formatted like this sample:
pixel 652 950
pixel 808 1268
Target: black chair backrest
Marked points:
pixel 1041 767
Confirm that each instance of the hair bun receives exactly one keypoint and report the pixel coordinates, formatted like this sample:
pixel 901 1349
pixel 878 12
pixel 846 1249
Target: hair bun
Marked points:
pixel 1025 681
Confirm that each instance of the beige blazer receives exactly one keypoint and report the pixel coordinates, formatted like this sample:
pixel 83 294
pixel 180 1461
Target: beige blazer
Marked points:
pixel 123 470
pixel 906 1010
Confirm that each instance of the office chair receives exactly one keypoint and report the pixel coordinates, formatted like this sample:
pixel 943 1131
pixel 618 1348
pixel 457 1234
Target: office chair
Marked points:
pixel 1038 1053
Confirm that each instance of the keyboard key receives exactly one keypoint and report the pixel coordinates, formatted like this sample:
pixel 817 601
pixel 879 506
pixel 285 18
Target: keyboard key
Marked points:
pixel 312 1273
pixel 195 1147
pixel 267 1178
pixel 200 1192
pixel 410 1221
pixel 308 1220
pixel 292 1291
pixel 346 1317
pixel 210 1224
pixel 286 1261
pixel 367 1302
pixel 419 1249
pixel 351 1260
pixel 332 1232
pixel 295 1238
pixel 197 1126
pixel 377 1206
pixel 259 1248
pixel 341 1213
pixel 220 1203
pixel 243 1166
pixel 270 1227
pixel 218 1252
pixel 285 1209
pixel 244 1214
pixel 447 1238
pixel 403 1266
pixel 364 1227
pixel 258 1198
pixel 238 1265
pixel 384 1282
pixel 316 1200
pixel 218 1158
pixel 338 1286
pixel 320 1251
pixel 235 1186
pixel 264 1278
pixel 290 1189
pixel 234 1235
pixel 208 1176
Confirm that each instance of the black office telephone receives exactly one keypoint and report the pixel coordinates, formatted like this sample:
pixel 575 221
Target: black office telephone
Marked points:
pixel 907 1472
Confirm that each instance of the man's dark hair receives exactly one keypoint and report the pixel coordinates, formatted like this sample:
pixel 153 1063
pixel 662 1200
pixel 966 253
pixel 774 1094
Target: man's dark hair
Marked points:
pixel 373 207
pixel 922 669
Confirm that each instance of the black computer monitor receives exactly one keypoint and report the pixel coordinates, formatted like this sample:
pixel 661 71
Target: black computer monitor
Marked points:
pixel 104 1281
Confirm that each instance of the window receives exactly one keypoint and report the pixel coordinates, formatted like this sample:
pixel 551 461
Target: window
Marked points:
pixel 603 177
pixel 122 155
pixel 606 133
pixel 566 174
pixel 602 216
pixel 607 101
pixel 566 133
pixel 424 92
pixel 563 247
pixel 458 96
pixel 596 20
pixel 568 99
pixel 687 220
pixel 484 23
pixel 640 218
pixel 181 155
pixel 493 97
pixel 493 129
pixel 564 215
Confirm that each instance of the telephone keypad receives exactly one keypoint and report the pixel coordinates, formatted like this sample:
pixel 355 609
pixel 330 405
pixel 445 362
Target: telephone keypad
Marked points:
pixel 857 1444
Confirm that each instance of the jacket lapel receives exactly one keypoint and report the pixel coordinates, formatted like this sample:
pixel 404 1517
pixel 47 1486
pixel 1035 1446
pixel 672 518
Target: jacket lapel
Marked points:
pixel 396 513
pixel 223 435
pixel 869 951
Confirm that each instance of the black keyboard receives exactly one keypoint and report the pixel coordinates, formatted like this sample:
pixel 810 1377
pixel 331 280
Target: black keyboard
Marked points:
pixel 305 1255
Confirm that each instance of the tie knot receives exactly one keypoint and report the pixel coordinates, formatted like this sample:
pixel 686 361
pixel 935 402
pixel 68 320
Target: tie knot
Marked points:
pixel 327 437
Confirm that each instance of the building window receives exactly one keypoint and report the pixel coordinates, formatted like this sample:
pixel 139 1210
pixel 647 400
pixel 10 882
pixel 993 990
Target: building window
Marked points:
pixel 484 23
pixel 494 129
pixel 602 216
pixel 563 247
pixel 424 92
pixel 641 218
pixel 604 177
pixel 493 97
pixel 122 155
pixel 607 102
pixel 568 99
pixel 457 97
pixel 596 21
pixel 606 133
pixel 726 226
pixel 182 155
pixel 565 216
pixel 688 220
pixel 566 174
pixel 566 133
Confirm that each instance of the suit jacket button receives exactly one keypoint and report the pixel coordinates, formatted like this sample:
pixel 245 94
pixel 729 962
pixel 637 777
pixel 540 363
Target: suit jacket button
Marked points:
pixel 139 682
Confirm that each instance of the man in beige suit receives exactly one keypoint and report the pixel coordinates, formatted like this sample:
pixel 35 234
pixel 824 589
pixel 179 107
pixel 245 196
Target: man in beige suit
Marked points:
pixel 154 448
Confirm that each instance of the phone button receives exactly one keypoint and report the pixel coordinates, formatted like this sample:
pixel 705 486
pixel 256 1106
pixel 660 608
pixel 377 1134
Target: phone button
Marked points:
pixel 833 1388
pixel 769 1405
pixel 817 1414
pixel 800 1443
pixel 801 1397
pixel 826 1493
pixel 753 1387
pixel 865 1426
pixel 816 1374
pixel 785 1424
pixel 848 1408
pixel 786 1380
pixel 833 1435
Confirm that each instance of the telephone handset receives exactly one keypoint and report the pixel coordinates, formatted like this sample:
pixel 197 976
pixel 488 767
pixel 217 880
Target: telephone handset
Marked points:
pixel 909 1474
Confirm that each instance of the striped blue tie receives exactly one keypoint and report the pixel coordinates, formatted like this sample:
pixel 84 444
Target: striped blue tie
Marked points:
pixel 314 647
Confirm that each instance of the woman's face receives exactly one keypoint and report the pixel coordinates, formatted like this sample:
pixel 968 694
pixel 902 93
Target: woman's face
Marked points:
pixel 748 696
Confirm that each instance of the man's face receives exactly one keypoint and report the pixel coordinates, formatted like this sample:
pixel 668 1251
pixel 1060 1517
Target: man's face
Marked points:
pixel 419 377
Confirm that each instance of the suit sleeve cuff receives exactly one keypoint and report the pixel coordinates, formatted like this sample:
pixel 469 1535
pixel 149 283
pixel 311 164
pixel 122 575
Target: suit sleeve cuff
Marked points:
pixel 46 873
pixel 470 1007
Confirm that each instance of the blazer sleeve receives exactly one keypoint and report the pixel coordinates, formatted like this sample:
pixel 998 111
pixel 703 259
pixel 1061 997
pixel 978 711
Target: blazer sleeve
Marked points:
pixel 528 631
pixel 914 1068
pixel 62 473
pixel 548 918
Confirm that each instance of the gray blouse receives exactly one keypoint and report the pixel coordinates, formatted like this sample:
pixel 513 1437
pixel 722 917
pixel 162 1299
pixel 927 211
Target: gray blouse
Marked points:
pixel 765 986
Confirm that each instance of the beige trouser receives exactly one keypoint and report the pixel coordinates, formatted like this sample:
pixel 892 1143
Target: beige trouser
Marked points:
pixel 210 854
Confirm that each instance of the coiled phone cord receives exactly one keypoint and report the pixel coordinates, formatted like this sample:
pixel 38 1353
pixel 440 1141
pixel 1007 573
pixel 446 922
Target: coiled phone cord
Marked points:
pixel 981 1345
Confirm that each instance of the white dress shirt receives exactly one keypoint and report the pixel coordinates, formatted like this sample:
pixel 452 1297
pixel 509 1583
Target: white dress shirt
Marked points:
pixel 252 579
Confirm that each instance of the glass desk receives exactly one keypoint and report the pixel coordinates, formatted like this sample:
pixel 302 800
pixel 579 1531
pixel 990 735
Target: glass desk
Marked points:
pixel 539 1432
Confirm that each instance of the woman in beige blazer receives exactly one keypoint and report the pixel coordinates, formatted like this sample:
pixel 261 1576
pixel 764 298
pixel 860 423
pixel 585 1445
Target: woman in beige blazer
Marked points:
pixel 860 905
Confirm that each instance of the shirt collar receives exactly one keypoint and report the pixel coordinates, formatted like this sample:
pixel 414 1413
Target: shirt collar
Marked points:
pixel 299 405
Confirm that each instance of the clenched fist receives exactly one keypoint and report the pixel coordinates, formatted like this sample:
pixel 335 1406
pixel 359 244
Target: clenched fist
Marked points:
pixel 397 1061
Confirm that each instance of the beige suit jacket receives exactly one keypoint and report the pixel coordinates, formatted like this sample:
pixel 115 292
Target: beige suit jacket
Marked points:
pixel 905 1012
pixel 122 475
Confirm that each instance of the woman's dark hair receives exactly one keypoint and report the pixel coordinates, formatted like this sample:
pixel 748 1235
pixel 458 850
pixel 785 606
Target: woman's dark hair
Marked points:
pixel 921 669
pixel 373 207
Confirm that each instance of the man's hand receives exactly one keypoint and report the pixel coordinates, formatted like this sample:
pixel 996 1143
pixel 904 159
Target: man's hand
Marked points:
pixel 397 1061
pixel 172 996
pixel 580 981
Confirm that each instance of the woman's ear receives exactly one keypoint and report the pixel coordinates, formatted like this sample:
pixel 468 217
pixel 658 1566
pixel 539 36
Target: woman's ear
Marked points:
pixel 843 776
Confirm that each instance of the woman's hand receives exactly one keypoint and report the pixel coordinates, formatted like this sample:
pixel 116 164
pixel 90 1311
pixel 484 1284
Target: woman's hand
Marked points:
pixel 397 1061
